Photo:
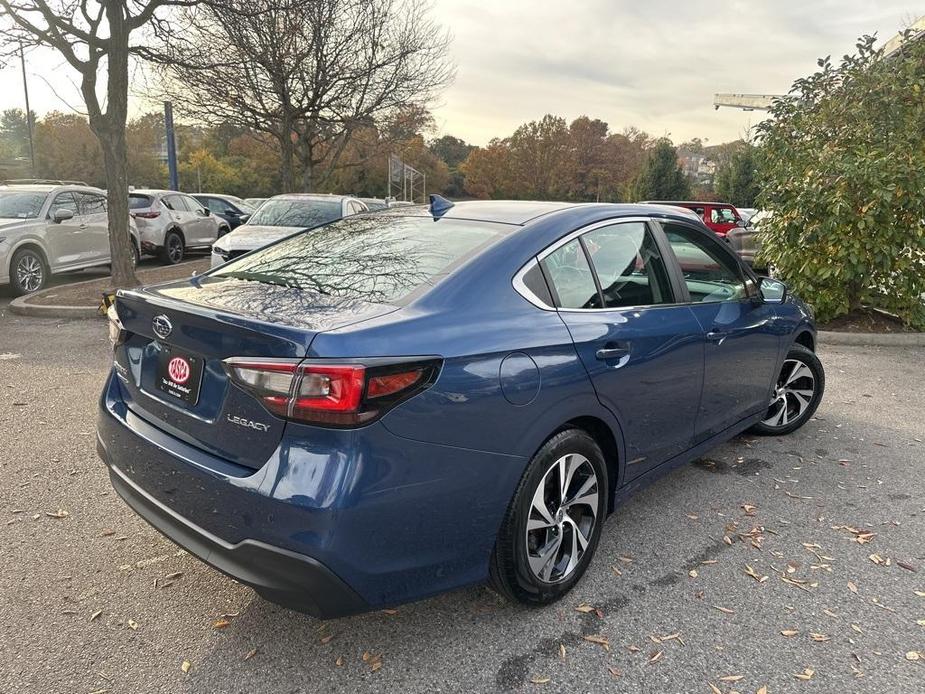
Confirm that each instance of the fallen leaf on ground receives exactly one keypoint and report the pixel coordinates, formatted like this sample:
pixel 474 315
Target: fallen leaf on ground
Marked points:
pixel 749 509
pixel 731 678
pixel 789 632
pixel 599 640
pixel 132 624
pixel 819 637
pixel 615 672
pixel 852 587
pixel 913 655
pixel 389 612
pixel 539 680
pixel 186 665
pixel 250 654
pixel 807 674
pixel 340 661
pixel 725 610
pixel 326 639
pixel 95 615
pixel 220 624
pixel 616 571
pixel 584 608
pixel 656 656
pixel 762 690
pixel 754 574
pixel 57 514
pixel 692 573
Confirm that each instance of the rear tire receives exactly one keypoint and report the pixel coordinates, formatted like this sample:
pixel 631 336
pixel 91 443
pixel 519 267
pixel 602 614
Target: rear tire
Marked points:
pixel 136 256
pixel 174 249
pixel 797 393
pixel 548 537
pixel 28 272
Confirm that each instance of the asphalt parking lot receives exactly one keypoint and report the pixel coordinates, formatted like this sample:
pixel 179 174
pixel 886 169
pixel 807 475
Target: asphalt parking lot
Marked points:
pixel 794 565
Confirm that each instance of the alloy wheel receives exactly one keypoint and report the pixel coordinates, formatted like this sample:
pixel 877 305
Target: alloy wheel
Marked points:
pixel 175 248
pixel 562 515
pixel 792 395
pixel 30 274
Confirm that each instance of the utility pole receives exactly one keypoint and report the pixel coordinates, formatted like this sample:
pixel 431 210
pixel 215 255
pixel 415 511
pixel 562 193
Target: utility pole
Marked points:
pixel 171 147
pixel 25 88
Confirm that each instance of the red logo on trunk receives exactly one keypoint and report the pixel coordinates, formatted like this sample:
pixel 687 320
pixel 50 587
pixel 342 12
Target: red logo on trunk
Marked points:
pixel 178 369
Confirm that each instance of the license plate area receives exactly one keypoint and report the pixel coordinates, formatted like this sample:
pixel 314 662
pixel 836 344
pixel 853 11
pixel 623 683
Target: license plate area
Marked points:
pixel 179 375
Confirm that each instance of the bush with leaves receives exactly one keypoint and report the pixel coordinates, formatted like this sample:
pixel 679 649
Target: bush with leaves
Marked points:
pixel 842 165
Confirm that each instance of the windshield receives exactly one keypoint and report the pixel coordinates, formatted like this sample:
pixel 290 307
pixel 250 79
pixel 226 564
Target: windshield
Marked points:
pixel 21 205
pixel 376 259
pixel 296 213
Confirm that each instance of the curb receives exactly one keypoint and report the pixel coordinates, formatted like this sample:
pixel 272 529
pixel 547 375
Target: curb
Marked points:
pixel 828 337
pixel 21 307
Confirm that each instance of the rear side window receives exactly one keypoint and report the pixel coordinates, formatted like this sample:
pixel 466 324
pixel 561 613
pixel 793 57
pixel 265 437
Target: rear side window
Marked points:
pixel 571 277
pixel 376 259
pixel 629 265
pixel 722 215
pixel 139 202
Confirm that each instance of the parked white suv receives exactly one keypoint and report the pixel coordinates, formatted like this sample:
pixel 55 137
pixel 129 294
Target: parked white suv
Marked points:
pixel 47 228
pixel 170 222
pixel 281 216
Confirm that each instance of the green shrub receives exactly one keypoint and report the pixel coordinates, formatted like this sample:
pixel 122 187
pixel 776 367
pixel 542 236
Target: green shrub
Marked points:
pixel 842 168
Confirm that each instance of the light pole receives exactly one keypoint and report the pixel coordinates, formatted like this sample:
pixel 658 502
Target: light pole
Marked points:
pixel 25 88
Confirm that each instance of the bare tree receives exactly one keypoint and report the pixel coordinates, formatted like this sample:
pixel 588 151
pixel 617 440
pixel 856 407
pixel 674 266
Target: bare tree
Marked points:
pixel 96 40
pixel 310 73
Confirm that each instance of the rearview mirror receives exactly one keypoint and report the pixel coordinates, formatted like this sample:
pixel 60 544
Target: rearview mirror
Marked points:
pixel 62 215
pixel 772 291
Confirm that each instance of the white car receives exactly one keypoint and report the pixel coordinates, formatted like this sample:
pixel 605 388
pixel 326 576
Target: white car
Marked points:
pixel 169 223
pixel 281 216
pixel 47 228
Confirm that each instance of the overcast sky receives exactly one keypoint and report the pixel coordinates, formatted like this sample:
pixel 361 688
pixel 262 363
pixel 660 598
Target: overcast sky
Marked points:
pixel 653 64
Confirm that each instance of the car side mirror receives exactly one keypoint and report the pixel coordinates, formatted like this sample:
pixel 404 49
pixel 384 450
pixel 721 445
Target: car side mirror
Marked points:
pixel 243 217
pixel 772 291
pixel 206 212
pixel 741 223
pixel 62 215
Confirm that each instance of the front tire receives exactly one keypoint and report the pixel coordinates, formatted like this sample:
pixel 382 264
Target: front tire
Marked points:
pixel 553 525
pixel 797 393
pixel 28 272
pixel 174 248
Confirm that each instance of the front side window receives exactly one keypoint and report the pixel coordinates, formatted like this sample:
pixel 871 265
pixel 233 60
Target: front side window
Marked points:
pixel 722 215
pixel 63 201
pixel 571 277
pixel 296 213
pixel 628 264
pixel 710 274
pixel 192 204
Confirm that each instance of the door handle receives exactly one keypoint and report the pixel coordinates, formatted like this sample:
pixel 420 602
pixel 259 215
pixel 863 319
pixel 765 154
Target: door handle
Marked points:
pixel 717 336
pixel 612 353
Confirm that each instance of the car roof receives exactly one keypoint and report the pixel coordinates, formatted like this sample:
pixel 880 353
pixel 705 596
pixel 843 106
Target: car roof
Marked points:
pixel 312 196
pixel 48 187
pixel 687 202
pixel 156 191
pixel 223 196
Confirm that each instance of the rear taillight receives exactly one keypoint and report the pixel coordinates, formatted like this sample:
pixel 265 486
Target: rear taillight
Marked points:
pixel 153 214
pixel 332 394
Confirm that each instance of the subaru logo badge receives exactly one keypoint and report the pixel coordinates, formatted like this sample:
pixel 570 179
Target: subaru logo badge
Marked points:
pixel 162 326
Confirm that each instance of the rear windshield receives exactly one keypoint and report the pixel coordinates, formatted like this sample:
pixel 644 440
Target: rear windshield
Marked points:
pixel 376 259
pixel 20 205
pixel 296 213
pixel 138 202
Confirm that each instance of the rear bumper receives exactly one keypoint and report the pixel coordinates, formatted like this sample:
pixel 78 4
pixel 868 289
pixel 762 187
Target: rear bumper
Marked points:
pixel 281 576
pixel 335 522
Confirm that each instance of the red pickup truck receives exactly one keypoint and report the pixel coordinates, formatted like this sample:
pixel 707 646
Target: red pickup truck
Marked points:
pixel 721 217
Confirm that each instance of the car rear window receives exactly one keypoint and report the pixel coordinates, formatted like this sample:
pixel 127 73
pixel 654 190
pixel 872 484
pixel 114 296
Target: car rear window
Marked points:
pixel 296 213
pixel 376 259
pixel 138 202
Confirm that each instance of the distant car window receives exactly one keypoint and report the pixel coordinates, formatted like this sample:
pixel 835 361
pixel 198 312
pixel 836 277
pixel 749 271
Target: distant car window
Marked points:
pixel 63 201
pixel 297 213
pixel 722 215
pixel 375 259
pixel 192 204
pixel 629 266
pixel 90 203
pixel 710 273
pixel 137 201
pixel 19 205
pixel 173 202
pixel 216 205
pixel 375 205
pixel 571 277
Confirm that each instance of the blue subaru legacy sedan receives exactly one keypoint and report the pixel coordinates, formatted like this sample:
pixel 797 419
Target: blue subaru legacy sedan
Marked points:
pixel 403 403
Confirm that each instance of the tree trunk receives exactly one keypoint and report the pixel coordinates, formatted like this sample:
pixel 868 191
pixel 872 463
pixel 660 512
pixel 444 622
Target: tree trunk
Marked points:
pixel 115 158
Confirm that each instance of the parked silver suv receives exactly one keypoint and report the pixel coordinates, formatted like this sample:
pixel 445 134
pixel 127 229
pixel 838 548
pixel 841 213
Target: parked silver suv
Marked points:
pixel 47 228
pixel 170 222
